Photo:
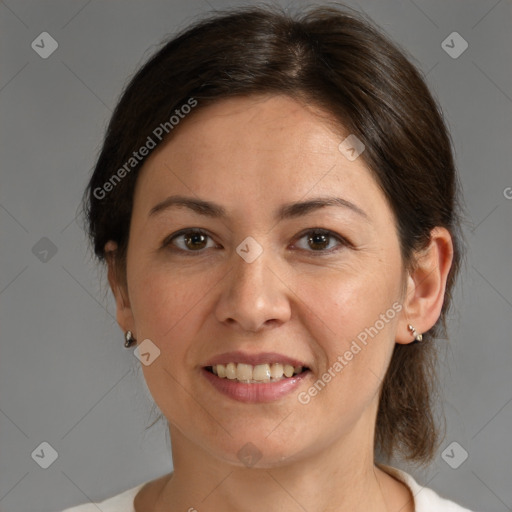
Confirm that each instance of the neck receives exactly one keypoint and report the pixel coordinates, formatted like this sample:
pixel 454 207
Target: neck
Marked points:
pixel 340 477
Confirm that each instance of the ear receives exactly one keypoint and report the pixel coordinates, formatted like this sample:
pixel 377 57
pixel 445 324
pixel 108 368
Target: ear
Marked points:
pixel 124 314
pixel 426 285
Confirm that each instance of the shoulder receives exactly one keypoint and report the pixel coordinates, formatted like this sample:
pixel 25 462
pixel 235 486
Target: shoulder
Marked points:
pixel 425 499
pixel 122 502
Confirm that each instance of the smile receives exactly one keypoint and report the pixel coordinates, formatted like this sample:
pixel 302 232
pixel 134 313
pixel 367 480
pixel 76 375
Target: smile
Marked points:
pixel 261 383
pixel 255 374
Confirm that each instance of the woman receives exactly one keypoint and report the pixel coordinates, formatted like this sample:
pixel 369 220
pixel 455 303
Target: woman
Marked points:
pixel 277 204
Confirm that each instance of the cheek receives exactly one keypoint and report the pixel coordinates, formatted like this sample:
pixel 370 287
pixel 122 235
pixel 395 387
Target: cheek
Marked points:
pixel 164 303
pixel 168 311
pixel 347 301
pixel 352 317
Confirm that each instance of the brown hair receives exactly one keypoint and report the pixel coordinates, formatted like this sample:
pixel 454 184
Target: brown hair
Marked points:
pixel 335 59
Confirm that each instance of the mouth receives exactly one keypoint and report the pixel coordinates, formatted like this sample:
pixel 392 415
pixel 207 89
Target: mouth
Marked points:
pixel 255 378
pixel 256 374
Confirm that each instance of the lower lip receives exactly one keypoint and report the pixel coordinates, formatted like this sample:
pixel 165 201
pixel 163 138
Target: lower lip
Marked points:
pixel 255 393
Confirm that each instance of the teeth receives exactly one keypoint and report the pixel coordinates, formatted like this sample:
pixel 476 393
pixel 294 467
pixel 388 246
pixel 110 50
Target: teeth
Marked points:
pixel 230 371
pixel 288 370
pixel 244 372
pixel 260 373
pixel 276 371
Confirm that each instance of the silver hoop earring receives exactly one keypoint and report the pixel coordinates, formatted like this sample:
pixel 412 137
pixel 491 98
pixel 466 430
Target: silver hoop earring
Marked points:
pixel 417 337
pixel 129 339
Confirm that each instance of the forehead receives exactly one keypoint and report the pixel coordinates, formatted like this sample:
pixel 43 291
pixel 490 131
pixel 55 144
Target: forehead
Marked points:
pixel 265 147
pixel 262 121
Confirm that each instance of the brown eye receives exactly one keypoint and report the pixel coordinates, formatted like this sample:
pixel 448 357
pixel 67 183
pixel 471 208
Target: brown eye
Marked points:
pixel 321 240
pixel 195 241
pixel 318 241
pixel 189 241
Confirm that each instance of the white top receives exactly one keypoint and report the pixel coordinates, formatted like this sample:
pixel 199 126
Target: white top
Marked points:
pixel 425 499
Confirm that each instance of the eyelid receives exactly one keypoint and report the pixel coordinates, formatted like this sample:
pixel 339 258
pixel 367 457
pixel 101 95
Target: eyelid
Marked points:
pixel 322 231
pixel 200 231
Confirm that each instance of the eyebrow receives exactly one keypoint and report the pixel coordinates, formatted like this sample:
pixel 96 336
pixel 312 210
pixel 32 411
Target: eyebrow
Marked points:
pixel 287 211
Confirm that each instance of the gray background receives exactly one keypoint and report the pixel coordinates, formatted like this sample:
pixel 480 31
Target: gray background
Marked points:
pixel 65 377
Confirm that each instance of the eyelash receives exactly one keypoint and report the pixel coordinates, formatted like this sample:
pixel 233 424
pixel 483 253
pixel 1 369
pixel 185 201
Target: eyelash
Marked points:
pixel 312 231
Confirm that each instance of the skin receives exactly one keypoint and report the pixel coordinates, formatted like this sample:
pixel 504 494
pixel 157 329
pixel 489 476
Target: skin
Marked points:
pixel 251 155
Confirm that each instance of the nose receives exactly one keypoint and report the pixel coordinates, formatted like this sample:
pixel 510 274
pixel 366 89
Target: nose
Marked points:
pixel 253 296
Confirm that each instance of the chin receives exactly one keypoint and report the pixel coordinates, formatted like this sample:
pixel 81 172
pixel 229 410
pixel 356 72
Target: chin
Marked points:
pixel 258 452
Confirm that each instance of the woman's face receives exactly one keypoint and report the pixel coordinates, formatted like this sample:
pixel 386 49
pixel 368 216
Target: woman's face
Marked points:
pixel 306 297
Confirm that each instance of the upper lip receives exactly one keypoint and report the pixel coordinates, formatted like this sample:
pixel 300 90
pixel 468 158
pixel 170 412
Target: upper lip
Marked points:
pixel 253 359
